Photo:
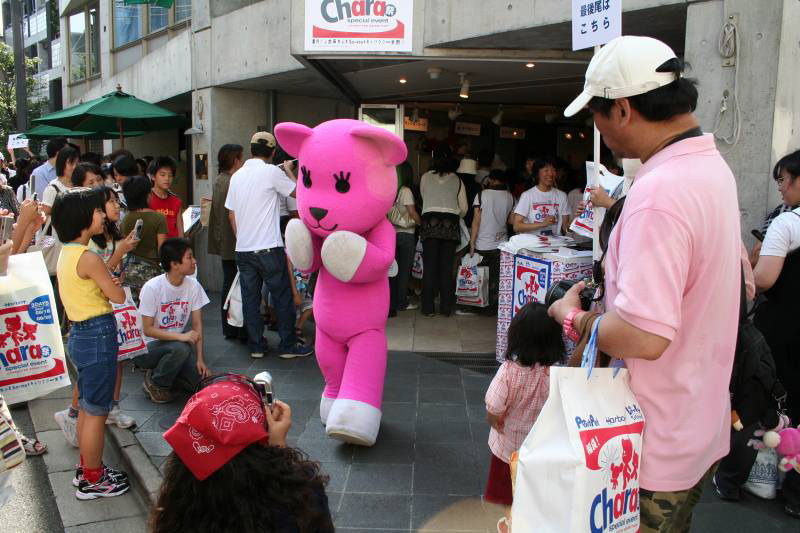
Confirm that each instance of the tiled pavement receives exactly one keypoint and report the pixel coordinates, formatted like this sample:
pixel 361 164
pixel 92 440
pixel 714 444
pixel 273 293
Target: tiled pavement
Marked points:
pixel 425 473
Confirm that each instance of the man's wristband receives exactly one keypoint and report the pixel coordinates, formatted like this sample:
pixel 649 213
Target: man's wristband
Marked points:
pixel 569 329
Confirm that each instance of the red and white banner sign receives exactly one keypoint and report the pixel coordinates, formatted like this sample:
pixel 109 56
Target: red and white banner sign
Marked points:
pixel 359 25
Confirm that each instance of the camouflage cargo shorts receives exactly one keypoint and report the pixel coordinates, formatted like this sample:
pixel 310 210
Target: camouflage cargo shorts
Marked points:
pixel 137 273
pixel 670 512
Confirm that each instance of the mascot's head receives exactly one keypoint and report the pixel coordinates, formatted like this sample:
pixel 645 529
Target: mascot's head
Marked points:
pixel 346 178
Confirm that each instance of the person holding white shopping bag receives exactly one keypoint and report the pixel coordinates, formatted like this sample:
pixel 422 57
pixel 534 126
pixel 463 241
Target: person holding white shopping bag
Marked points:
pixel 672 272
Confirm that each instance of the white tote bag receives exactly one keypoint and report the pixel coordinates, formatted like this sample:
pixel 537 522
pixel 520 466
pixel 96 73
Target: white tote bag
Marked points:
pixel 763 478
pixel 578 467
pixel 233 304
pixel 472 282
pixel 130 331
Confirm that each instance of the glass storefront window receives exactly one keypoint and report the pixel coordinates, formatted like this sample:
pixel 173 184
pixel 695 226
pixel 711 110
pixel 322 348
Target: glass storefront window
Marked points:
pixel 77 46
pixel 94 36
pixel 183 10
pixel 127 23
pixel 159 18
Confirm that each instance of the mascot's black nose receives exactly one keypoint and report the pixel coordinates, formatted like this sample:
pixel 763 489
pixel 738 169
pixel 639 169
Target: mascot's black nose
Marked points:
pixel 318 213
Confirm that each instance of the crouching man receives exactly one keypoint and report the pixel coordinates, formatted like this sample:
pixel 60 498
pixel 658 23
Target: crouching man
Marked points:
pixel 174 358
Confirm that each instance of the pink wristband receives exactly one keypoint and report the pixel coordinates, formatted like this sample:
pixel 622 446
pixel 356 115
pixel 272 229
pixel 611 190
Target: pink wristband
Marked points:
pixel 569 330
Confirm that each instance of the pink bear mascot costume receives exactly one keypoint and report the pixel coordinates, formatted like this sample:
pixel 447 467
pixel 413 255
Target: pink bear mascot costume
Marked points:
pixel 346 185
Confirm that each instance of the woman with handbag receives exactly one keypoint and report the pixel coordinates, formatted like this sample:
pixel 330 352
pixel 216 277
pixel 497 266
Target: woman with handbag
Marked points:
pixel 444 202
pixel 404 218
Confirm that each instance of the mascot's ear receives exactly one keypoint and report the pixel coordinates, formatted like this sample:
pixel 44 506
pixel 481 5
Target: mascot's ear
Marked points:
pixel 392 147
pixel 291 136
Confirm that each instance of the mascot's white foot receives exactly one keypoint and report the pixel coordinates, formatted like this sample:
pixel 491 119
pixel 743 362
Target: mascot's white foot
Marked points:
pixel 299 245
pixel 325 405
pixel 354 422
pixel 342 253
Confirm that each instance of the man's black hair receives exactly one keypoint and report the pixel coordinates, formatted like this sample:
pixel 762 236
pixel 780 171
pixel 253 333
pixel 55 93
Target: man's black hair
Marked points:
pixel 534 337
pixel 163 161
pixel 74 147
pixel 790 163
pixel 227 156
pixel 73 211
pixel 498 175
pixel 126 166
pixel 54 146
pixel 173 249
pixel 64 156
pixel 92 157
pixel 79 174
pixel 260 149
pixel 658 105
pixel 137 190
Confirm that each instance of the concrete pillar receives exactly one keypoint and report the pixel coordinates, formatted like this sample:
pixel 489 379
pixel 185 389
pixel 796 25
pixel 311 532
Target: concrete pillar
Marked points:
pixel 766 90
pixel 229 116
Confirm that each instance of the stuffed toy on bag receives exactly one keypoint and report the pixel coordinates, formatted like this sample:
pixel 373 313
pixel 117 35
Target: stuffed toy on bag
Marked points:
pixel 783 439
pixel 346 185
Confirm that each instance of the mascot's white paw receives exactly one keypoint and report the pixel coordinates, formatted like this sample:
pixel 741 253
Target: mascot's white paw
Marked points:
pixel 342 253
pixel 299 245
pixel 354 422
pixel 325 405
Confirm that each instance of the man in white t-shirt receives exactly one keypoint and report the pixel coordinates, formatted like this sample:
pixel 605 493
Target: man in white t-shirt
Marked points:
pixel 167 302
pixel 542 209
pixel 492 207
pixel 253 203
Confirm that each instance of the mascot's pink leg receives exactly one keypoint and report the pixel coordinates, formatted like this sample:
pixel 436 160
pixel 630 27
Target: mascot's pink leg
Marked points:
pixel 331 357
pixel 356 414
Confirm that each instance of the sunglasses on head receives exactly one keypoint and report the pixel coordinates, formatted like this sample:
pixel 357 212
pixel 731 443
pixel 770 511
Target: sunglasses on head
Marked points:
pixel 261 385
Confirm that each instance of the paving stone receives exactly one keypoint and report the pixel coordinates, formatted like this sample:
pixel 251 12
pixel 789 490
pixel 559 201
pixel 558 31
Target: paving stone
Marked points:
pixel 400 394
pixel 145 472
pixel 337 472
pixel 387 452
pixel 75 512
pixel 399 411
pixel 480 431
pixel 58 394
pixel 444 454
pixel 374 511
pixel 442 431
pixel 448 513
pixel 327 450
pixel 133 524
pixel 154 443
pixel 429 411
pixel 439 381
pixel 42 412
pixel 137 401
pixel 446 481
pixel 379 478
pixel 60 456
pixel 442 396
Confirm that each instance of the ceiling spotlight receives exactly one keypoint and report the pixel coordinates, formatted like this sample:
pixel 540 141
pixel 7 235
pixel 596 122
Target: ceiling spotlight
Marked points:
pixel 403 80
pixel 568 136
pixel 455 112
pixel 530 65
pixel 464 93
pixel 498 118
pixel 434 72
pixel 581 135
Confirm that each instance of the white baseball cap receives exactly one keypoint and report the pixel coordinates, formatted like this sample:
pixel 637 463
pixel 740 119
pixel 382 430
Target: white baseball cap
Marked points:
pixel 626 66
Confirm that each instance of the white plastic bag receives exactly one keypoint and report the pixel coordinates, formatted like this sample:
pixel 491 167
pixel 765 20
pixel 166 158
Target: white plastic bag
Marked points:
pixel 472 283
pixel 763 478
pixel 578 467
pixel 32 360
pixel 416 266
pixel 233 304
pixel 130 332
pixel 593 216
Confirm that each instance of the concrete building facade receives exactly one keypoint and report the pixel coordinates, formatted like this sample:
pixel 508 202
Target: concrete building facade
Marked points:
pixel 235 66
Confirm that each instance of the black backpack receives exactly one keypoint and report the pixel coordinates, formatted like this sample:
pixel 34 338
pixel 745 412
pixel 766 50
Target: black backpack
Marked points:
pixel 756 393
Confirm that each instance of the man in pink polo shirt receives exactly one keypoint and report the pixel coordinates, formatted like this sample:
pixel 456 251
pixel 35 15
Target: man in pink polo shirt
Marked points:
pixel 672 272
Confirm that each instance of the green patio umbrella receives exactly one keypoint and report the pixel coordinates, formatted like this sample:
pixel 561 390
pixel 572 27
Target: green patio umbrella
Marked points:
pixel 43 131
pixel 118 112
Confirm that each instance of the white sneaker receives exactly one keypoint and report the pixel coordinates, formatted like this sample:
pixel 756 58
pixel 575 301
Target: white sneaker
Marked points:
pixel 120 419
pixel 462 312
pixel 411 307
pixel 257 355
pixel 68 425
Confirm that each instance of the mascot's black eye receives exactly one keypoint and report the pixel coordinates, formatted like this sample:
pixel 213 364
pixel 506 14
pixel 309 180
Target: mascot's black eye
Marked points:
pixel 306 177
pixel 342 182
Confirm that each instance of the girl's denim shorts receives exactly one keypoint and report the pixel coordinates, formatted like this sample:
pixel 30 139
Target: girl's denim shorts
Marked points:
pixel 93 348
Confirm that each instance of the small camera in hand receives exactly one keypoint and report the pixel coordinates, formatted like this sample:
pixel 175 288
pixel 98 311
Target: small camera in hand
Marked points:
pixel 558 291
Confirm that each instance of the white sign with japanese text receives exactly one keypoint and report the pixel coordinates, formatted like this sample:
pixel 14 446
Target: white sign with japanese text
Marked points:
pixel 359 25
pixel 16 140
pixel 595 22
pixel 467 128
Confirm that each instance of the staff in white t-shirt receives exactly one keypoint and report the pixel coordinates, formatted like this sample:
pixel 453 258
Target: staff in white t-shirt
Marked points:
pixel 542 209
pixel 253 203
pixel 167 302
pixel 492 207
